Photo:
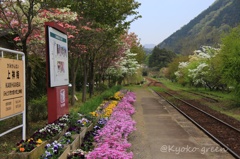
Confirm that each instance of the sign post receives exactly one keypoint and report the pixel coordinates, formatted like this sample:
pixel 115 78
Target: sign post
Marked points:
pixel 57 71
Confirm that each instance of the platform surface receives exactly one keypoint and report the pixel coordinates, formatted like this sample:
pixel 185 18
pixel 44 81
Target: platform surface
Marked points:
pixel 164 133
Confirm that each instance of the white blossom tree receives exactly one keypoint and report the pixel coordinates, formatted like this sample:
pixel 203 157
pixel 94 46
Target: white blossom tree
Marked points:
pixel 124 67
pixel 199 70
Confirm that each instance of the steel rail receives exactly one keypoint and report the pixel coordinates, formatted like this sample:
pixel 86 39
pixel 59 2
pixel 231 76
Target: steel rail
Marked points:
pixel 202 128
pixel 204 112
pixel 202 95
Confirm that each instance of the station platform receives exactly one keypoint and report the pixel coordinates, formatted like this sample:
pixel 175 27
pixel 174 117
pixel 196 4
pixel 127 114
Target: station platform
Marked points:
pixel 164 133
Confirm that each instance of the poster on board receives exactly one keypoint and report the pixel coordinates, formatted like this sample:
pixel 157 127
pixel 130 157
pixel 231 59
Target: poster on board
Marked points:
pixel 58 58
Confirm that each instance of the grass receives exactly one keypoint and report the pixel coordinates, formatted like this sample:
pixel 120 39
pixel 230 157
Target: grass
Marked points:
pixel 227 101
pixel 132 87
pixel 171 85
pixel 157 89
pixel 204 91
pixel 93 103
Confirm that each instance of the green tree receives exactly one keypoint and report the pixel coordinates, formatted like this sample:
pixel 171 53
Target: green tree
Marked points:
pixel 140 57
pixel 230 58
pixel 160 58
pixel 173 67
pixel 109 17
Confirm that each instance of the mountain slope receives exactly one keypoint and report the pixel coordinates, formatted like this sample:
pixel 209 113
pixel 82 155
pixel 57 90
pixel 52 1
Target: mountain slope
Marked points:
pixel 149 46
pixel 206 29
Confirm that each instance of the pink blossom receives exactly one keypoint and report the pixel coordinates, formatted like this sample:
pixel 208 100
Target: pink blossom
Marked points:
pixel 70 36
pixel 112 138
pixel 86 28
pixel 14 23
pixel 17 38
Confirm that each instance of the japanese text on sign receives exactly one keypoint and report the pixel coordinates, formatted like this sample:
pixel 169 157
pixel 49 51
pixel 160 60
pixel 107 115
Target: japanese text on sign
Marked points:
pixel 11 87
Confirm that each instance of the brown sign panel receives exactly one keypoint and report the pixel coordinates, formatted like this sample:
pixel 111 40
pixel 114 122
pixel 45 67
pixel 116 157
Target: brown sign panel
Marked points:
pixel 11 87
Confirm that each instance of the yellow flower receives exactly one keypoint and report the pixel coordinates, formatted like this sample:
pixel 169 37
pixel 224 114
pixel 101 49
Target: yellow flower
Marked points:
pixel 109 109
pixel 118 95
pixel 93 113
pixel 39 141
pixel 114 102
pixel 30 139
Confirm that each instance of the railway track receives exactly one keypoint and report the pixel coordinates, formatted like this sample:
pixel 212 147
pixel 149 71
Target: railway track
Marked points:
pixel 213 100
pixel 207 98
pixel 221 129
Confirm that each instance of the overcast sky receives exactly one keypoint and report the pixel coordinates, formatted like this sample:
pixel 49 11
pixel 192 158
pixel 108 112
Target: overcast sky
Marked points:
pixel 161 18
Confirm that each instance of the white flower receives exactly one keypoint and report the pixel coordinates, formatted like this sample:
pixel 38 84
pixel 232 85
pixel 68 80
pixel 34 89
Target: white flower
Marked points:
pixel 183 64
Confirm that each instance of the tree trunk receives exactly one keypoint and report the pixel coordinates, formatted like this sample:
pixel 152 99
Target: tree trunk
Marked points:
pixel 74 71
pixel 84 88
pixel 91 78
pixel 109 80
pixel 73 88
pixel 102 79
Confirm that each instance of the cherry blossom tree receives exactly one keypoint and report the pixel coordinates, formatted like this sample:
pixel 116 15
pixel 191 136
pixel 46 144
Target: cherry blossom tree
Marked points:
pixel 91 34
pixel 25 19
pixel 126 64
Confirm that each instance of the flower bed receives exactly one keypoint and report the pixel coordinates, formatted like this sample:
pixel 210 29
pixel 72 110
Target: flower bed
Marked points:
pixel 112 138
pixel 88 143
pixel 34 146
pixel 69 141
pixel 109 137
pixel 34 153
pixel 71 131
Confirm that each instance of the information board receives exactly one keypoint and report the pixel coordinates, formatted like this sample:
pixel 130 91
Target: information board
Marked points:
pixel 11 87
pixel 58 58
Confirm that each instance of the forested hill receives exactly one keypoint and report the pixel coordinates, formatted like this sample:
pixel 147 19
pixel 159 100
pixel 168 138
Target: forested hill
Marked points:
pixel 206 29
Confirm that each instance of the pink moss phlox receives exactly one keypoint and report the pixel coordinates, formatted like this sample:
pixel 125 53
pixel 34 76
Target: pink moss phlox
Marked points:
pixel 130 97
pixel 112 138
pixel 104 152
pixel 126 107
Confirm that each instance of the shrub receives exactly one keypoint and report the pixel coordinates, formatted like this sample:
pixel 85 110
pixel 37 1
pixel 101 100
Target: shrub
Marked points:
pixel 93 103
pixel 38 109
pixel 101 87
pixel 110 92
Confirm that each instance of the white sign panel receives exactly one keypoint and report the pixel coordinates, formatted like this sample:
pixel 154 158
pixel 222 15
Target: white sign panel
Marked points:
pixel 62 97
pixel 58 58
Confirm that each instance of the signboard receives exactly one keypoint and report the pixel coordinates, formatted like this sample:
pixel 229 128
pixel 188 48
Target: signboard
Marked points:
pixel 11 87
pixel 57 70
pixel 58 58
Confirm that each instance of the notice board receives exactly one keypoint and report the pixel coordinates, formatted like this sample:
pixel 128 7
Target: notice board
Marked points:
pixel 58 58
